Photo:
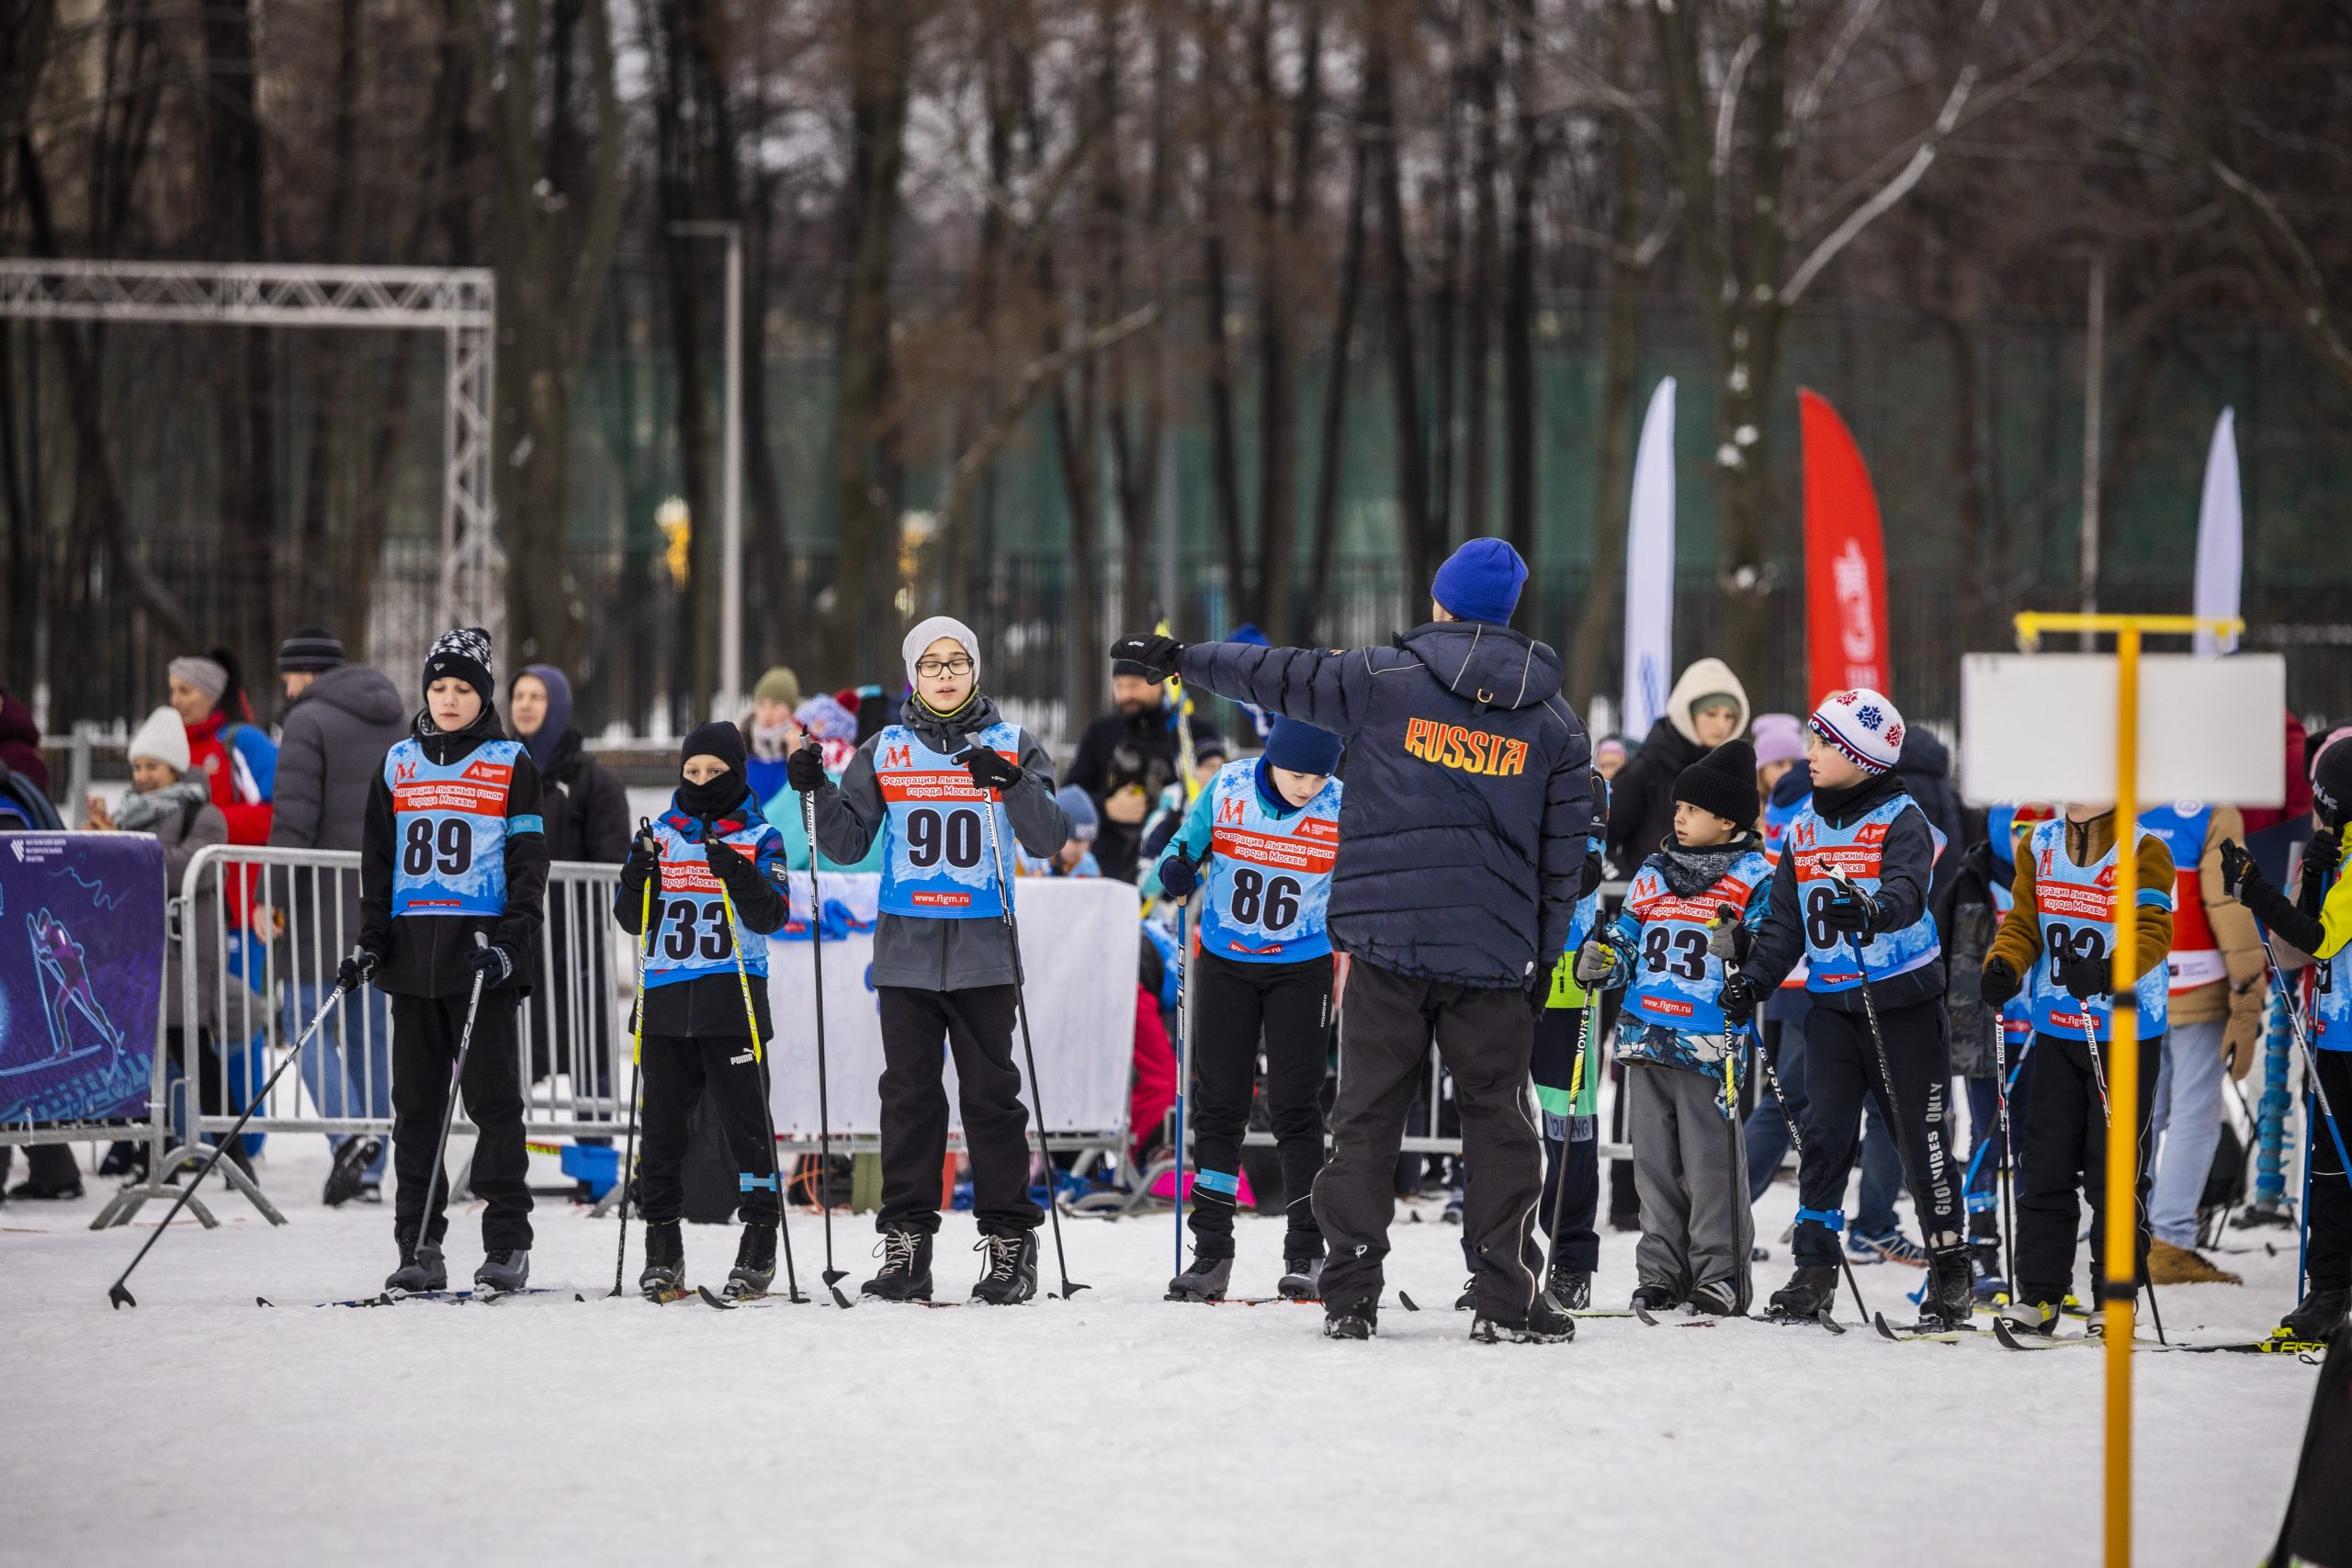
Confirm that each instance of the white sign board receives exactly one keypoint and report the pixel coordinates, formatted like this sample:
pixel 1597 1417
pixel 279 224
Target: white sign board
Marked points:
pixel 2042 727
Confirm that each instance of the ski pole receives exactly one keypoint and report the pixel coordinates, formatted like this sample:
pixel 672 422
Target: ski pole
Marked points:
pixel 767 1107
pixel 1028 1050
pixel 636 1059
pixel 1183 1065
pixel 118 1292
pixel 832 1276
pixel 450 1109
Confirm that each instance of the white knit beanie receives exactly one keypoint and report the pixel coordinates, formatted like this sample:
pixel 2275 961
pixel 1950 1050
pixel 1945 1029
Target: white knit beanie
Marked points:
pixel 163 739
pixel 1863 725
pixel 930 631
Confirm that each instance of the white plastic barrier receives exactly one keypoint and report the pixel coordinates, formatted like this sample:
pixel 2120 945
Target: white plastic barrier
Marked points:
pixel 1079 940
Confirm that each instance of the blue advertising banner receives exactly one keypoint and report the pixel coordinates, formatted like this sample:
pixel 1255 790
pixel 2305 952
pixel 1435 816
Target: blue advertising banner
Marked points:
pixel 81 975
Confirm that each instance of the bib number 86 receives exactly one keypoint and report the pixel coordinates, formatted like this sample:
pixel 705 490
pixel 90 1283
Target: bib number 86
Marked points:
pixel 1254 894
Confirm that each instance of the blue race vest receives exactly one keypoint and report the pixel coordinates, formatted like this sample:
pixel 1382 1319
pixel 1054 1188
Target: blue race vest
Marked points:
pixel 936 861
pixel 1270 878
pixel 2332 995
pixel 1677 984
pixel 1776 833
pixel 449 828
pixel 1853 850
pixel 2077 906
pixel 690 936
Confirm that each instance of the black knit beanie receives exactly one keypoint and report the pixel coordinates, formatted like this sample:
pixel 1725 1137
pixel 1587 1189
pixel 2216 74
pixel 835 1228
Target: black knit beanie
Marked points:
pixel 463 653
pixel 1723 782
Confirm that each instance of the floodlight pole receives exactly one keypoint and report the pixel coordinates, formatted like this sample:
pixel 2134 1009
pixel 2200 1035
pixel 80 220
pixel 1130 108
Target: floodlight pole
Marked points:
pixel 731 570
pixel 2118 1290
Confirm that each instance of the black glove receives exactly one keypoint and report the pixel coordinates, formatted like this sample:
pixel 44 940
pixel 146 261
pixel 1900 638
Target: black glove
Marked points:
pixel 804 769
pixel 1179 876
pixel 1539 994
pixel 2321 856
pixel 1159 654
pixel 1740 996
pixel 2238 870
pixel 644 862
pixel 355 971
pixel 2082 977
pixel 989 770
pixel 1999 983
pixel 1850 910
pixel 493 964
pixel 730 866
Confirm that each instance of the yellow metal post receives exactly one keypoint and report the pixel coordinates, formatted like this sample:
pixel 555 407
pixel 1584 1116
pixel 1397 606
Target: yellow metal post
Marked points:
pixel 2118 1291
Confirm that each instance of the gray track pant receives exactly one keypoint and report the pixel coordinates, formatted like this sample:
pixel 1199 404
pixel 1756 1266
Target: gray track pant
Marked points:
pixel 1690 1171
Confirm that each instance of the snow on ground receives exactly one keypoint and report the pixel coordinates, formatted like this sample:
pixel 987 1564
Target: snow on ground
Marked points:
pixel 1115 1428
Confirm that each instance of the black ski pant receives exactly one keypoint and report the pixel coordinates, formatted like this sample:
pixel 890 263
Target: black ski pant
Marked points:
pixel 2329 1213
pixel 677 1069
pixel 976 1025
pixel 2064 1151
pixel 1484 1037
pixel 1571 1197
pixel 425 1034
pixel 1841 1066
pixel 1234 1006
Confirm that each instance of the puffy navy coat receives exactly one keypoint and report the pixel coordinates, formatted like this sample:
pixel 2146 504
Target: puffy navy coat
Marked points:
pixel 1462 839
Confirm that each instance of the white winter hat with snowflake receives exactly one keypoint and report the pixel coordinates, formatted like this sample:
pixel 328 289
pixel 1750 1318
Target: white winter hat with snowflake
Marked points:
pixel 1862 724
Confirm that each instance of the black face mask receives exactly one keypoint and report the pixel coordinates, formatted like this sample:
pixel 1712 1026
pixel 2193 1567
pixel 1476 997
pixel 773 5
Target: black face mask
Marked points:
pixel 715 797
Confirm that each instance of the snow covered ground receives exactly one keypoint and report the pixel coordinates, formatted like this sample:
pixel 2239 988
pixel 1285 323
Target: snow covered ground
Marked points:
pixel 1115 1428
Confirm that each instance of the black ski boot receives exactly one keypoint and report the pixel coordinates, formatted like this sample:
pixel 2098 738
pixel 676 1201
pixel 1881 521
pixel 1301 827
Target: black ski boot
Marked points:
pixel 348 1173
pixel 1205 1281
pixel 1302 1279
pixel 2315 1317
pixel 664 1274
pixel 1008 1270
pixel 1717 1298
pixel 1544 1324
pixel 421 1269
pixel 1654 1298
pixel 1468 1300
pixel 1568 1290
pixel 1361 1321
pixel 1950 1297
pixel 755 1268
pixel 506 1269
pixel 1808 1292
pixel 906 1267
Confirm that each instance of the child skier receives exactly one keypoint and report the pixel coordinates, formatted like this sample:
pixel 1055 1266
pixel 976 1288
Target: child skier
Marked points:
pixel 1672 948
pixel 2059 936
pixel 453 848
pixel 942 954
pixel 2320 924
pixel 1269 831
pixel 1849 895
pixel 696 1030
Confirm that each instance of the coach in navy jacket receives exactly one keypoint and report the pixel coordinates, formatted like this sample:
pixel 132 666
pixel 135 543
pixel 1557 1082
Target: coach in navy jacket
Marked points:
pixel 1461 849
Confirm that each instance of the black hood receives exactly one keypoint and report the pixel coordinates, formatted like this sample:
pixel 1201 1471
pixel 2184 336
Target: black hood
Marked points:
pixel 1493 666
pixel 447 746
pixel 1923 756
pixel 954 733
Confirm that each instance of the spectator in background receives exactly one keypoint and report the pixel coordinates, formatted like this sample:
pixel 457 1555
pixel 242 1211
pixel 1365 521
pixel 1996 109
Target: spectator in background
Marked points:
pixel 771 732
pixel 23 777
pixel 828 721
pixel 225 744
pixel 1128 757
pixel 1925 769
pixel 340 720
pixel 1076 857
pixel 1707 706
pixel 1780 750
pixel 1610 757
pixel 585 812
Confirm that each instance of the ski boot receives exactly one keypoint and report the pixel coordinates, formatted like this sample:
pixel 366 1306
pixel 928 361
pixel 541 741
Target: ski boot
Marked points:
pixel 664 1274
pixel 1950 1299
pixel 1544 1324
pixel 421 1269
pixel 1989 1286
pixel 1361 1321
pixel 1808 1293
pixel 1009 1270
pixel 1302 1279
pixel 1468 1300
pixel 506 1269
pixel 2029 1317
pixel 348 1175
pixel 1568 1290
pixel 2315 1317
pixel 906 1267
pixel 1205 1281
pixel 1892 1247
pixel 755 1268
pixel 1653 1298
pixel 1717 1298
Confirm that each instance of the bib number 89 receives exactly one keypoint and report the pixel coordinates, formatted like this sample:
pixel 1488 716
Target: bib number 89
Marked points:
pixel 1253 896
pixel 422 847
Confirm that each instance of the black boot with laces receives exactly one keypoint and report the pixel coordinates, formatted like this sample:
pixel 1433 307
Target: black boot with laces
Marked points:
pixel 755 1268
pixel 664 1272
pixel 906 1267
pixel 1008 1270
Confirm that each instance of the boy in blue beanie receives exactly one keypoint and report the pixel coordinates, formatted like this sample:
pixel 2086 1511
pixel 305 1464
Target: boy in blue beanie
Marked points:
pixel 1267 828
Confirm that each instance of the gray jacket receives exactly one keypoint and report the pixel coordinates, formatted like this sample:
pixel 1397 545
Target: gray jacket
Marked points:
pixel 183 833
pixel 330 750
pixel 941 954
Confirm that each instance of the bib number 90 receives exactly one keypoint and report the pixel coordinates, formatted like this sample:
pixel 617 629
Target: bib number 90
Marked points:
pixel 933 835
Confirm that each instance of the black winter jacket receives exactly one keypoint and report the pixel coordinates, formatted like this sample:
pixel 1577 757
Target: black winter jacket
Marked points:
pixel 1462 839
pixel 586 809
pixel 1906 864
pixel 424 955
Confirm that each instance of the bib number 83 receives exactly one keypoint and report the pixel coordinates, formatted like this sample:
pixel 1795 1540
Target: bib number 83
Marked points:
pixel 1254 894
pixel 701 926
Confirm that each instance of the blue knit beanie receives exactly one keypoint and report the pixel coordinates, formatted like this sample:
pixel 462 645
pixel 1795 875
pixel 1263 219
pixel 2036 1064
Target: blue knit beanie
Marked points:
pixel 1302 748
pixel 1480 582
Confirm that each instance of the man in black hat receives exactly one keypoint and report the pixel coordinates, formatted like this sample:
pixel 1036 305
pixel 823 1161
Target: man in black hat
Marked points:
pixel 1128 757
